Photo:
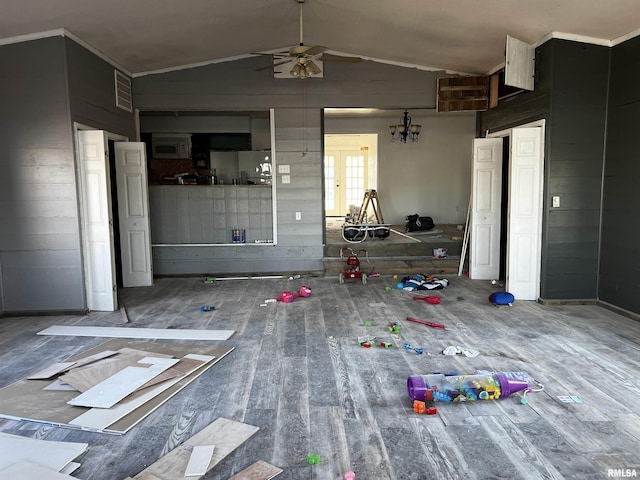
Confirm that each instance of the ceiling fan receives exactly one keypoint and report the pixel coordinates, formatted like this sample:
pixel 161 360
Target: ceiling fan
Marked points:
pixel 303 57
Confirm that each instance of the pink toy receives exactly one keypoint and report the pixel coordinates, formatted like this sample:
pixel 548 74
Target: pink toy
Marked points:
pixel 349 475
pixel 288 297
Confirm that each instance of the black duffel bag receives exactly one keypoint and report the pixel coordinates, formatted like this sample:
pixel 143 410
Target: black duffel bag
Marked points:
pixel 416 223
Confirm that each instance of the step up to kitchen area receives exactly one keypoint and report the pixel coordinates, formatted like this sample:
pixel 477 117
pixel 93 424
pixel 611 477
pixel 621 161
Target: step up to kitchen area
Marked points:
pixel 435 252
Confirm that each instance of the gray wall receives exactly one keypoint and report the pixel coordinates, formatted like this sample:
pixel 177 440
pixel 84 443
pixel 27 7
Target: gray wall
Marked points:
pixel 39 233
pixel 620 255
pixel 299 131
pixel 47 84
pixel 571 94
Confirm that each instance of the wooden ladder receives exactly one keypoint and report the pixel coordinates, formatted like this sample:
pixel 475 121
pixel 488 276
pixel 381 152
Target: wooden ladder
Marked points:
pixel 370 198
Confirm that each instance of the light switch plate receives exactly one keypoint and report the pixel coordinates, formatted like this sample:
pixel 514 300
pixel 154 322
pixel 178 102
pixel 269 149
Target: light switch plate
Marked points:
pixel 286 179
pixel 555 201
pixel 284 169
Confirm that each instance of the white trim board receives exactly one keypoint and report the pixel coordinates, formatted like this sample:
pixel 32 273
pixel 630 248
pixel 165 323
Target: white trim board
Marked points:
pixel 124 332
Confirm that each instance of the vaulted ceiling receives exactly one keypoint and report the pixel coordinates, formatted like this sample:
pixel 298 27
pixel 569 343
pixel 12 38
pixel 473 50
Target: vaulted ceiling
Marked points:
pixel 465 36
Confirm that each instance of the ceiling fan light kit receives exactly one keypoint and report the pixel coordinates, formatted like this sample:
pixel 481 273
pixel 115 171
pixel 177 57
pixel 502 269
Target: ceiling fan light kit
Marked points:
pixel 305 59
pixel 405 130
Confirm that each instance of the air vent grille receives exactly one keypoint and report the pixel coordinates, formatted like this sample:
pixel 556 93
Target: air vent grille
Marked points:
pixel 123 92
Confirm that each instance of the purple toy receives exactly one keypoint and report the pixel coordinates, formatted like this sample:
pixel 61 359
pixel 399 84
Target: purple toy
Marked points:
pixel 463 388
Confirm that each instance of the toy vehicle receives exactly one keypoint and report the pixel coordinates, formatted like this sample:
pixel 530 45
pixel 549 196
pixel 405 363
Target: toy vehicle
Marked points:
pixel 353 262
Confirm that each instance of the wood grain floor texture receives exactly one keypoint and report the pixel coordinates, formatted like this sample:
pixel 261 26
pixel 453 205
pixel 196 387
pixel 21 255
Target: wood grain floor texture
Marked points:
pixel 298 374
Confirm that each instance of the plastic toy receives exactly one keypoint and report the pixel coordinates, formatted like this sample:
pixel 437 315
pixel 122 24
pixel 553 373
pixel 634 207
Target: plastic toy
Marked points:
pixel 394 327
pixel 501 299
pixel 349 475
pixel 288 297
pixel 207 308
pixel 353 262
pixel 419 406
pixel 432 299
pixel 407 346
pixel 366 341
pixel 429 324
pixel 313 458
pixel 385 344
pixel 464 388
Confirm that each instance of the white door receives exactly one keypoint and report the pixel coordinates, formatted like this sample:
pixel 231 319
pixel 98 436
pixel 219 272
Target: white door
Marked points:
pixel 97 221
pixel 486 195
pixel 133 213
pixel 345 177
pixel 525 214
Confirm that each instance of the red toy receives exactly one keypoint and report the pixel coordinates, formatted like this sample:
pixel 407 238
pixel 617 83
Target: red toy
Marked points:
pixel 353 262
pixel 432 299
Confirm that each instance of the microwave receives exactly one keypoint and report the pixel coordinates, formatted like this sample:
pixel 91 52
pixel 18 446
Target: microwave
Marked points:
pixel 171 145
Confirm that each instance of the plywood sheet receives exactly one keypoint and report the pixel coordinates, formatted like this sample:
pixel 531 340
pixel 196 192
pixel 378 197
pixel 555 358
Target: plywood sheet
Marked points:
pixel 225 434
pixel 129 332
pixel 258 471
pixel 115 388
pixel 26 399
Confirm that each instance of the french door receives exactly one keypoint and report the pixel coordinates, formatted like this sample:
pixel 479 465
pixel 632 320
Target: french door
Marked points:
pixel 345 180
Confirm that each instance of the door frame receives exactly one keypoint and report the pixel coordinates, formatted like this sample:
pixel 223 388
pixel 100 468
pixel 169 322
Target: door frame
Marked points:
pixel 79 185
pixel 508 133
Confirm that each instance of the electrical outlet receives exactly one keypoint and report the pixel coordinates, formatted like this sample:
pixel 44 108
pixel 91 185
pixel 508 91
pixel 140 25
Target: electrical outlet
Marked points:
pixel 555 201
pixel 286 179
pixel 298 215
pixel 284 169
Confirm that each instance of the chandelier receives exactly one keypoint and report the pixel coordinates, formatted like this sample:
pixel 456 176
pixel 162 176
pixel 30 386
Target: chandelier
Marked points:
pixel 304 67
pixel 405 130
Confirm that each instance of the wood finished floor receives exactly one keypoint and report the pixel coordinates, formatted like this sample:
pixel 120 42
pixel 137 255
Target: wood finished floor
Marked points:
pixel 298 374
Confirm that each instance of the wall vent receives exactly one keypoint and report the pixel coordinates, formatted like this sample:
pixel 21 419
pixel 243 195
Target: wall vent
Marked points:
pixel 123 91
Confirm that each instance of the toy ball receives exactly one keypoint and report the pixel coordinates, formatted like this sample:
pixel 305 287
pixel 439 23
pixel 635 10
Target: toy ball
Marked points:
pixel 501 298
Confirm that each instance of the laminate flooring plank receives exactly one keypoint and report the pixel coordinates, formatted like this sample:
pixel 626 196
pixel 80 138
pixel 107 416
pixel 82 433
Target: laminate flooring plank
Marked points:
pixel 51 371
pixel 367 450
pixel 30 470
pixel 258 471
pixel 293 414
pixel 132 332
pixel 529 462
pixel 436 450
pixel 82 379
pixel 199 460
pixel 329 439
pixel 101 418
pixel 268 373
pixel 558 452
pixel 321 376
pixel 123 383
pixel 50 454
pixel 225 434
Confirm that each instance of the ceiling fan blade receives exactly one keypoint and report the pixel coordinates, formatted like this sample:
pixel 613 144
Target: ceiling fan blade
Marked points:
pixel 315 50
pixel 327 57
pixel 271 66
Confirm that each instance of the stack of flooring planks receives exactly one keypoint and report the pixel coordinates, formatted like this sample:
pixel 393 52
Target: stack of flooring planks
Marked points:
pixel 30 458
pixel 109 388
